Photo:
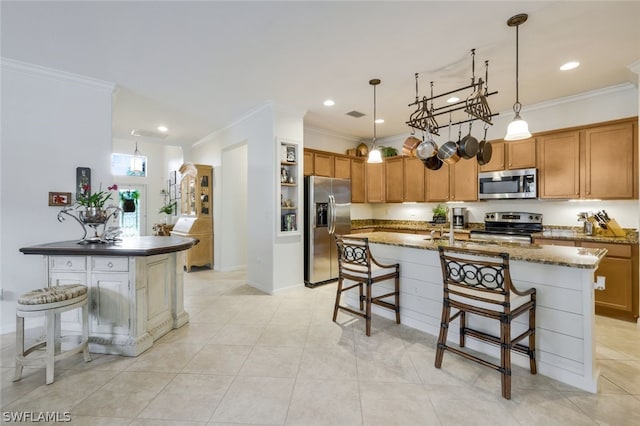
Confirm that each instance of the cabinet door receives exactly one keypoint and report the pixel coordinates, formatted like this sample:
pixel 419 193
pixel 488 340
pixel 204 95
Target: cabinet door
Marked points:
pixel 559 165
pixel 618 289
pixel 358 181
pixel 414 180
pixel 109 298
pixel 497 158
pixel 375 182
pixel 521 154
pixel 70 320
pixel 341 167
pixel 464 181
pixel 323 164
pixel 610 153
pixel 437 182
pixel 552 242
pixel 308 163
pixel 394 182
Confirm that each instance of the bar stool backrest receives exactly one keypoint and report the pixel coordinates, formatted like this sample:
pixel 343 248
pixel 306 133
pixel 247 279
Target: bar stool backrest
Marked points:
pixel 353 255
pixel 478 275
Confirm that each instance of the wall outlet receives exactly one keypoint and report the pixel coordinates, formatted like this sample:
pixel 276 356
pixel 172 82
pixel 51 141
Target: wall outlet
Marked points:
pixel 600 283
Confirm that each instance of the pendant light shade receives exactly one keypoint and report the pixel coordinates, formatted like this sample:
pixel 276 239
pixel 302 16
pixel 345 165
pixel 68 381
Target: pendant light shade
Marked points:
pixel 137 163
pixel 374 154
pixel 518 128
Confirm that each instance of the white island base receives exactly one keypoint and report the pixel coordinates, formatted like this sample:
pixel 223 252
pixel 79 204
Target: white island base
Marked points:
pixel 565 346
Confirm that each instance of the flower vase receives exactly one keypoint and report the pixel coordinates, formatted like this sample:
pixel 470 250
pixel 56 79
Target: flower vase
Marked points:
pixel 93 215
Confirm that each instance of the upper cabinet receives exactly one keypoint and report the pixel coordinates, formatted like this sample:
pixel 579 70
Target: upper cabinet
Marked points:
pixel 328 164
pixel 375 182
pixel 414 180
pixel 595 162
pixel 610 162
pixel 394 179
pixel 458 182
pixel 511 155
pixel 358 180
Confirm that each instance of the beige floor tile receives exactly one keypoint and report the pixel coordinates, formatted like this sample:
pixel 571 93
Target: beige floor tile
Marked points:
pixel 328 363
pixel 396 404
pixel 192 332
pixel 157 422
pixel 626 374
pixel 236 334
pixel 272 361
pixel 166 357
pixel 225 360
pixel 388 366
pixel 10 391
pixel 330 334
pixel 455 371
pixel 292 315
pixel 126 395
pixel 192 397
pixel 324 402
pixel 521 378
pixel 260 400
pixel 543 407
pixel 283 335
pixel 618 410
pixel 98 421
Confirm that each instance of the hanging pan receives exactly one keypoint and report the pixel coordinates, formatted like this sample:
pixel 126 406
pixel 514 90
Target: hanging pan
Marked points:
pixel 449 151
pixel 427 148
pixel 484 149
pixel 410 145
pixel 468 146
pixel 432 163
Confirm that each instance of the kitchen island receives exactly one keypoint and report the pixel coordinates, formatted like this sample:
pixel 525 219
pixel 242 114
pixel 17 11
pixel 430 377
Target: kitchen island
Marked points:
pixel 135 288
pixel 563 277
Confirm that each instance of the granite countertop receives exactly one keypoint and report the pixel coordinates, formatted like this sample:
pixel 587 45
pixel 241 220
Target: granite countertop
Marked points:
pixel 576 257
pixel 553 232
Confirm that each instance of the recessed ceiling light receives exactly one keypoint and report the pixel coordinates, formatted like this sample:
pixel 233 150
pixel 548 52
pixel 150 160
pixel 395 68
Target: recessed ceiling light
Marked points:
pixel 329 102
pixel 162 129
pixel 452 99
pixel 379 120
pixel 569 66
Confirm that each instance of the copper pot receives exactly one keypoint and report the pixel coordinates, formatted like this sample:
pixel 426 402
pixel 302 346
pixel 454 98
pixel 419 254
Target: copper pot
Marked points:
pixel 410 145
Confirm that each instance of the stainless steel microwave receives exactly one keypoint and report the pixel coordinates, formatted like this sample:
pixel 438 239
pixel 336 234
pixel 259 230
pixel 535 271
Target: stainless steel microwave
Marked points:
pixel 506 184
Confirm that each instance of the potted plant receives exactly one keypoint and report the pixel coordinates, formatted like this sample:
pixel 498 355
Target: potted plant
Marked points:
pixel 129 201
pixel 440 214
pixel 168 208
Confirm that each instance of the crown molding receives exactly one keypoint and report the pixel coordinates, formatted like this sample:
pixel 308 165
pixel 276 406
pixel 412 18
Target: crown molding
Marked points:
pixel 575 98
pixel 40 71
pixel 334 134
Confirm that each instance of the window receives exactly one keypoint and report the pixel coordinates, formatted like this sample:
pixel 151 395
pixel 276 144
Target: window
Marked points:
pixel 128 165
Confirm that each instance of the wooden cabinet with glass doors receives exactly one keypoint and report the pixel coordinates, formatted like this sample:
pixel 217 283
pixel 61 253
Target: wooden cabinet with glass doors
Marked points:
pixel 196 213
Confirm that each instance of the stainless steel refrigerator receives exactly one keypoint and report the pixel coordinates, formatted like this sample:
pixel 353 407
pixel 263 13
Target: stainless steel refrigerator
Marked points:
pixel 327 212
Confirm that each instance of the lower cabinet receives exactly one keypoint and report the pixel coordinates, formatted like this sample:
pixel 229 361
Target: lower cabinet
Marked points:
pixel 619 267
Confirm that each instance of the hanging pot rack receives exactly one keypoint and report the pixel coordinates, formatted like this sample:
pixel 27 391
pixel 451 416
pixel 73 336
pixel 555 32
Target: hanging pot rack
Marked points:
pixel 475 105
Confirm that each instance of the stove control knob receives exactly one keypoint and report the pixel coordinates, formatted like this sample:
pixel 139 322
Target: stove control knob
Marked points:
pixel 530 217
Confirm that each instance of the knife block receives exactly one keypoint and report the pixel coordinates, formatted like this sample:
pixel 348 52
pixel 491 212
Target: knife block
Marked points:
pixel 613 229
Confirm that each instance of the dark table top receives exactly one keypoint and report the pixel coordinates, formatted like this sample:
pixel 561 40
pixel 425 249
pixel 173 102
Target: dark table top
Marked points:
pixel 135 246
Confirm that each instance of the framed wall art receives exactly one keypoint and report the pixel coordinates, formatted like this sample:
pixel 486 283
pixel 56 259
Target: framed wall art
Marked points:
pixel 59 198
pixel 83 181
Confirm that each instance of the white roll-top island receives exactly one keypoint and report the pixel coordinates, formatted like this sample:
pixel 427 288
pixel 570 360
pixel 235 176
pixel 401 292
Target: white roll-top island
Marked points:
pixel 135 288
pixel 563 278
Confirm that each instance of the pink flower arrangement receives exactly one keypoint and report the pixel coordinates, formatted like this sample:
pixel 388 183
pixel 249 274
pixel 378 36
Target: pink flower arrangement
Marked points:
pixel 97 199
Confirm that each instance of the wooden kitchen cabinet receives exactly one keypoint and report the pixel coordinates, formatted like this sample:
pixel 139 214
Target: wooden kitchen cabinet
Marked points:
pixel 437 182
pixel 559 165
pixel 308 163
pixel 414 180
pixel 341 167
pixel 619 299
pixel 463 184
pixel 394 179
pixel 322 164
pixel 358 180
pixel 610 165
pixel 375 182
pixel 511 155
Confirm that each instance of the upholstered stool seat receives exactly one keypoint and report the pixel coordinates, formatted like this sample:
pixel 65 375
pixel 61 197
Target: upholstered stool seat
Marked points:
pixel 50 302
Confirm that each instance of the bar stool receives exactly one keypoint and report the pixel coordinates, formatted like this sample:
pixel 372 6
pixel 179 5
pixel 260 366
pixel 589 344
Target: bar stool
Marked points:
pixel 355 263
pixel 478 282
pixel 50 302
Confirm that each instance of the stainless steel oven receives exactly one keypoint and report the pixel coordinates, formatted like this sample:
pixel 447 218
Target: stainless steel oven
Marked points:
pixel 507 184
pixel 508 227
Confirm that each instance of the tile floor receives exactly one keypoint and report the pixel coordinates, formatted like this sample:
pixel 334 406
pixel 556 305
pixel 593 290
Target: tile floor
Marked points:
pixel 249 358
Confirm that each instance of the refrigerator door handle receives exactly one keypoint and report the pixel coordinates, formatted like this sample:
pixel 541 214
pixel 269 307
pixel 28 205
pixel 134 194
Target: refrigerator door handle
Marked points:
pixel 332 215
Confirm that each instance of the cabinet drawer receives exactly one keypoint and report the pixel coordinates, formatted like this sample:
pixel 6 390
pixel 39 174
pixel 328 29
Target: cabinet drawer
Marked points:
pixel 119 264
pixel 67 263
pixel 613 250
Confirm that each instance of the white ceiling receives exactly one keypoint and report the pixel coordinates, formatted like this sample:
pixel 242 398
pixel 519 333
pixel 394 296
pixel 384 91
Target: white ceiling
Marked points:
pixel 198 66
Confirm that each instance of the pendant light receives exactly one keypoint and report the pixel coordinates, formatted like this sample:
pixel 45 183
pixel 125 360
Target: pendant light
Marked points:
pixel 136 166
pixel 518 128
pixel 374 154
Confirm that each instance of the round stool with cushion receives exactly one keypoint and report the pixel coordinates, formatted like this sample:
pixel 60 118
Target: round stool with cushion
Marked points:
pixel 50 301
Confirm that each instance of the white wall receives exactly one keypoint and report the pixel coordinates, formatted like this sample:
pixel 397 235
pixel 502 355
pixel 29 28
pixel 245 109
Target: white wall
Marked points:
pixel 52 122
pixel 233 235
pixel 325 140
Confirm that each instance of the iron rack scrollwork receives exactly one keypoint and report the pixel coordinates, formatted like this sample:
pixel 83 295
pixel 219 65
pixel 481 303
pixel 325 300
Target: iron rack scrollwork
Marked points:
pixel 475 104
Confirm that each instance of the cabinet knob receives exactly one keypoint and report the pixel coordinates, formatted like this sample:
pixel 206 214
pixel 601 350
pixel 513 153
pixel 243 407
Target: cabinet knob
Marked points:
pixel 69 264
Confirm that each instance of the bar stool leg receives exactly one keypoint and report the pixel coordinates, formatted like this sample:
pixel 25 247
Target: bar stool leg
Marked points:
pixel 85 332
pixel 442 338
pixel 51 345
pixel 397 298
pixel 19 346
pixel 338 294
pixel 505 357
pixel 368 309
